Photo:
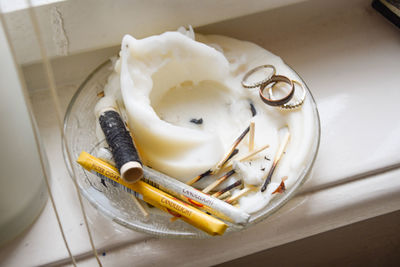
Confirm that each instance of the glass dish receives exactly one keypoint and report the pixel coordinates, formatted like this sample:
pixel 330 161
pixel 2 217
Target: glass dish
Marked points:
pixel 79 128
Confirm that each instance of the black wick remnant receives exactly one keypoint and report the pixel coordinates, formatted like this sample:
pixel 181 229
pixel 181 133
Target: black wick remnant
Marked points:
pixel 197 121
pixel 253 109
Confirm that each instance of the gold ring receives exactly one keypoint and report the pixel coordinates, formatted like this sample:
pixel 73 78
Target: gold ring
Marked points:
pixel 296 104
pixel 274 80
pixel 256 84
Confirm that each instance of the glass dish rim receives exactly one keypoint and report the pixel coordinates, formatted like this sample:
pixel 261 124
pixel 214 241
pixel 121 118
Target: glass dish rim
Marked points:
pixel 270 209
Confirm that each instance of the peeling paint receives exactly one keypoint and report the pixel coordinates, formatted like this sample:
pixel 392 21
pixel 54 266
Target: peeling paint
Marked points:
pixel 59 34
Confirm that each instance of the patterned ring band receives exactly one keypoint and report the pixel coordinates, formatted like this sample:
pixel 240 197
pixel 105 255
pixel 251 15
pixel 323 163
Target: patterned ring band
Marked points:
pixel 274 80
pixel 259 83
pixel 296 104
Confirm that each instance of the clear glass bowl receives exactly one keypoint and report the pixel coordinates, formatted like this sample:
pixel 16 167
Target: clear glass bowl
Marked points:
pixel 79 128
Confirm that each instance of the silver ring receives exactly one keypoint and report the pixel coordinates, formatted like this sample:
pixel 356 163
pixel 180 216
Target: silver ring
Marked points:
pixel 294 105
pixel 256 84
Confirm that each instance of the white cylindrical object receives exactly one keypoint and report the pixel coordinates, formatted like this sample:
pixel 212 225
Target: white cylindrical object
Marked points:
pixel 22 187
pixel 187 193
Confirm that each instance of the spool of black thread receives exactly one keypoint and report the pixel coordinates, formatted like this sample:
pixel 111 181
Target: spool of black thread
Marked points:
pixel 120 141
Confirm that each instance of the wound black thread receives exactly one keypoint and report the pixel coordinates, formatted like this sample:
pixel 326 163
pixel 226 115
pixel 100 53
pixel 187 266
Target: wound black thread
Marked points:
pixel 118 139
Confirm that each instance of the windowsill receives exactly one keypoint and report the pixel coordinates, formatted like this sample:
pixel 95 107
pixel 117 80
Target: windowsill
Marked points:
pixel 338 53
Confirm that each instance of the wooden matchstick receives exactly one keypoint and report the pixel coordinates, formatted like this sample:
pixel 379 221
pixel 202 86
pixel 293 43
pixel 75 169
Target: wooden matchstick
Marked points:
pixel 140 206
pixel 228 188
pixel 218 182
pixel 229 166
pixel 277 158
pixel 242 192
pixel 251 135
pixel 248 156
pixel 225 195
pixel 228 154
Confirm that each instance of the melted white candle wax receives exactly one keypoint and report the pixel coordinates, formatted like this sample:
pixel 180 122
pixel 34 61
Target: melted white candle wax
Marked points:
pixel 165 81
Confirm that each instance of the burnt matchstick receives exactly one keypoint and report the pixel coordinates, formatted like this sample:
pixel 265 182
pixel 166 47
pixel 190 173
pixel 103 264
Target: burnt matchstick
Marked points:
pixel 228 155
pixel 229 166
pixel 228 188
pixel 218 182
pixel 248 156
pixel 198 177
pixel 242 192
pixel 277 158
pixel 233 154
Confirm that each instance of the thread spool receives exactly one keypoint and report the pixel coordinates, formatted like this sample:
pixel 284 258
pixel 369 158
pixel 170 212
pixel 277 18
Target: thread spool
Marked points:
pixel 120 141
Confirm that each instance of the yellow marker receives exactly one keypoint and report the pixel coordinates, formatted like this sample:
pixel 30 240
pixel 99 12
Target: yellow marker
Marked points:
pixel 156 197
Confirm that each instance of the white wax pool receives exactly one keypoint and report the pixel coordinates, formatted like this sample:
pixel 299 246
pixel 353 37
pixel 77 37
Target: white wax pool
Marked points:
pixel 163 84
